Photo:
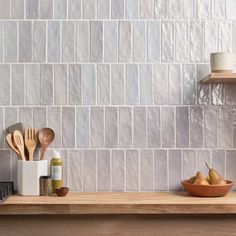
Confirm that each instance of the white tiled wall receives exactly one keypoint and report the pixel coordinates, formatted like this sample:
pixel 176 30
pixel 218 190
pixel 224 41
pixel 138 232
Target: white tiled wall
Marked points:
pixel 118 82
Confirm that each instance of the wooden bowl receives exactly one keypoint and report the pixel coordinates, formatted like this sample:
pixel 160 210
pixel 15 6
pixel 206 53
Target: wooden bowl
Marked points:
pixel 62 192
pixel 207 190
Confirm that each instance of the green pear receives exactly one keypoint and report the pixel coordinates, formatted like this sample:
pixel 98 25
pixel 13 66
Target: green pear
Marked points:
pixel 215 178
pixel 200 179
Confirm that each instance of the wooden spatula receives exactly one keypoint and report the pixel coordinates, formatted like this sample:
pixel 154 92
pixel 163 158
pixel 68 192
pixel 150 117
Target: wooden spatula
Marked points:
pixel 11 145
pixel 31 140
pixel 19 142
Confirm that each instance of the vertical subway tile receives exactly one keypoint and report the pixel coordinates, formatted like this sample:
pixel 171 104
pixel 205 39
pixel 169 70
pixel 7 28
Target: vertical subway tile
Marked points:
pixel 175 169
pixel 175 93
pixel 167 32
pixel 39 41
pixel 68 127
pixel 139 41
pixel 89 89
pixel 225 36
pixel 230 9
pixel 117 9
pixel 217 94
pixel 139 127
pixel 103 84
pixel 75 84
pixel 189 9
pixel 103 170
pixel 10 116
pixel 168 127
pixel 10 41
pixel 160 9
pixel 125 127
pixel 5 168
pixel 189 84
pixel 26 116
pixel 96 41
pixel 154 41
pixel 88 9
pixel 160 170
pixel 83 41
pixel 32 84
pixel 218 9
pixel 132 170
pixel 110 41
pixel 218 161
pixel 132 9
pixel 60 9
pixel 32 9
pixel 118 170
pixel 97 127
pixel 74 9
pixel 182 127
pixel 147 9
pixel 103 9
pixel 111 127
pixel 25 41
pixel 181 40
pixel 230 95
pixel 175 9
pixel 160 84
pixel 203 9
pixel 46 9
pixel 17 84
pixel 82 127
pixel 89 170
pixel 60 84
pixel 132 84
pixel 68 38
pixel 189 163
pixel 146 170
pixel 230 165
pixel 2 130
pixel 203 156
pixel 5 85
pixel 76 170
pixel 39 117
pixel 17 9
pixel 1 41
pixel 124 43
pixel 53 42
pixel 146 93
pixel 210 122
pixel 154 127
pixel 46 84
pixel 196 127
pixel 117 84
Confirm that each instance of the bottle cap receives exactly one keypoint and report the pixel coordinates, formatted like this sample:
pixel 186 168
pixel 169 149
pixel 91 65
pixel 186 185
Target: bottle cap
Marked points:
pixel 56 154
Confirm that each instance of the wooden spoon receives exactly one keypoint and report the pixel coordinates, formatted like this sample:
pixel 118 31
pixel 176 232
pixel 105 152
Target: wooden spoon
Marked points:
pixel 46 136
pixel 19 142
pixel 11 145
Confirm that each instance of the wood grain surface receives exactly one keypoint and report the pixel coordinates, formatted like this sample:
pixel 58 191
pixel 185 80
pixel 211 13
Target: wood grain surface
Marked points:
pixel 219 78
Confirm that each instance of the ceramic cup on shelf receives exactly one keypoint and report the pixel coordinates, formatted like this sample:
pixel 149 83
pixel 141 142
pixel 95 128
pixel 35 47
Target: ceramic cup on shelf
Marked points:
pixel 222 62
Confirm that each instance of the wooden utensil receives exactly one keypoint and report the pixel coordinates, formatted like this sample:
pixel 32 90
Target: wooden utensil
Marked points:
pixel 31 140
pixel 11 145
pixel 45 136
pixel 19 142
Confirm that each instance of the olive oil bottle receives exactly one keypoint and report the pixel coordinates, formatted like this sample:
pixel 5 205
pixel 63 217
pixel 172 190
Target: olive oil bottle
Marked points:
pixel 56 170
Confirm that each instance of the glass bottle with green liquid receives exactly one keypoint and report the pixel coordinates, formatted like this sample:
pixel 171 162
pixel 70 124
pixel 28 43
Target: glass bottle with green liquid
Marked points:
pixel 56 170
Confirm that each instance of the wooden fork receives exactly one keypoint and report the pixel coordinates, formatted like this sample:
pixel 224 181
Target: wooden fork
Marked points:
pixel 19 143
pixel 31 140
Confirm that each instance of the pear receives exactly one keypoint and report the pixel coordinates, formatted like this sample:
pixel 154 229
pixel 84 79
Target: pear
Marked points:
pixel 215 178
pixel 200 179
pixel 191 180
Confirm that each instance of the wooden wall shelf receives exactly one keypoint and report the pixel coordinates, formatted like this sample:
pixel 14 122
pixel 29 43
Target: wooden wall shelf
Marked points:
pixel 219 78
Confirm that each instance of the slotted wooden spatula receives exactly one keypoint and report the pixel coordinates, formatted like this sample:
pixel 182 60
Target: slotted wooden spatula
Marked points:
pixel 19 142
pixel 11 145
pixel 31 140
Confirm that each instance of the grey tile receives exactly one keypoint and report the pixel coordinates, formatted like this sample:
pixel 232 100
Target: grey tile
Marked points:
pixel 39 117
pixel 203 156
pixel 230 95
pixel 11 116
pixel 175 9
pixel 96 41
pixel 74 9
pixel 160 170
pixel 60 9
pixel 75 84
pixel 168 127
pixel 82 127
pixel 217 94
pixel 124 43
pixel 32 9
pixel 132 84
pixel 46 84
pixel 160 9
pixel 1 41
pixel 89 89
pixel 76 170
pixel 182 127
pixel 60 84
pixel 68 127
pixel 118 170
pixel 97 127
pixel 5 85
pixel 103 84
pixel 225 36
pixel 26 116
pixel 111 127
pixel 146 170
pixel 88 9
pixel 2 130
pixel 25 41
pixel 103 9
pixel 89 170
pixel 132 170
pixel 5 168
pixel 132 9
pixel 17 9
pixel 181 40
pixel 146 84
pixel 189 163
pixel 39 41
pixel 46 9
pixel 175 170
pixel 17 84
pixel 117 9
pixel 103 170
pixel 53 42
pixel 147 9
pixel 139 127
pixel 219 161
pixel 10 41
pixel 196 127
pixel 230 166
pixel 125 127
pixel 154 127
pixel 189 9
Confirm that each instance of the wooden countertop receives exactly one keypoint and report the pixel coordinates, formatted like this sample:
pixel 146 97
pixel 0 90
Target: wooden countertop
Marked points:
pixel 119 203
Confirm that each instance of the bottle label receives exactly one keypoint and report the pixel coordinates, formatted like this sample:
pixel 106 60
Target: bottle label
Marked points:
pixel 56 172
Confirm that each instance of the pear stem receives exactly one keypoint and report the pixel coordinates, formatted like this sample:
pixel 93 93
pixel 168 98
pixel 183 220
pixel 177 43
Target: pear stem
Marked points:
pixel 207 166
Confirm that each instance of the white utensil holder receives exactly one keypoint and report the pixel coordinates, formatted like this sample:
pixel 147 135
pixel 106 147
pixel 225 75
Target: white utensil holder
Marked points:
pixel 28 174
